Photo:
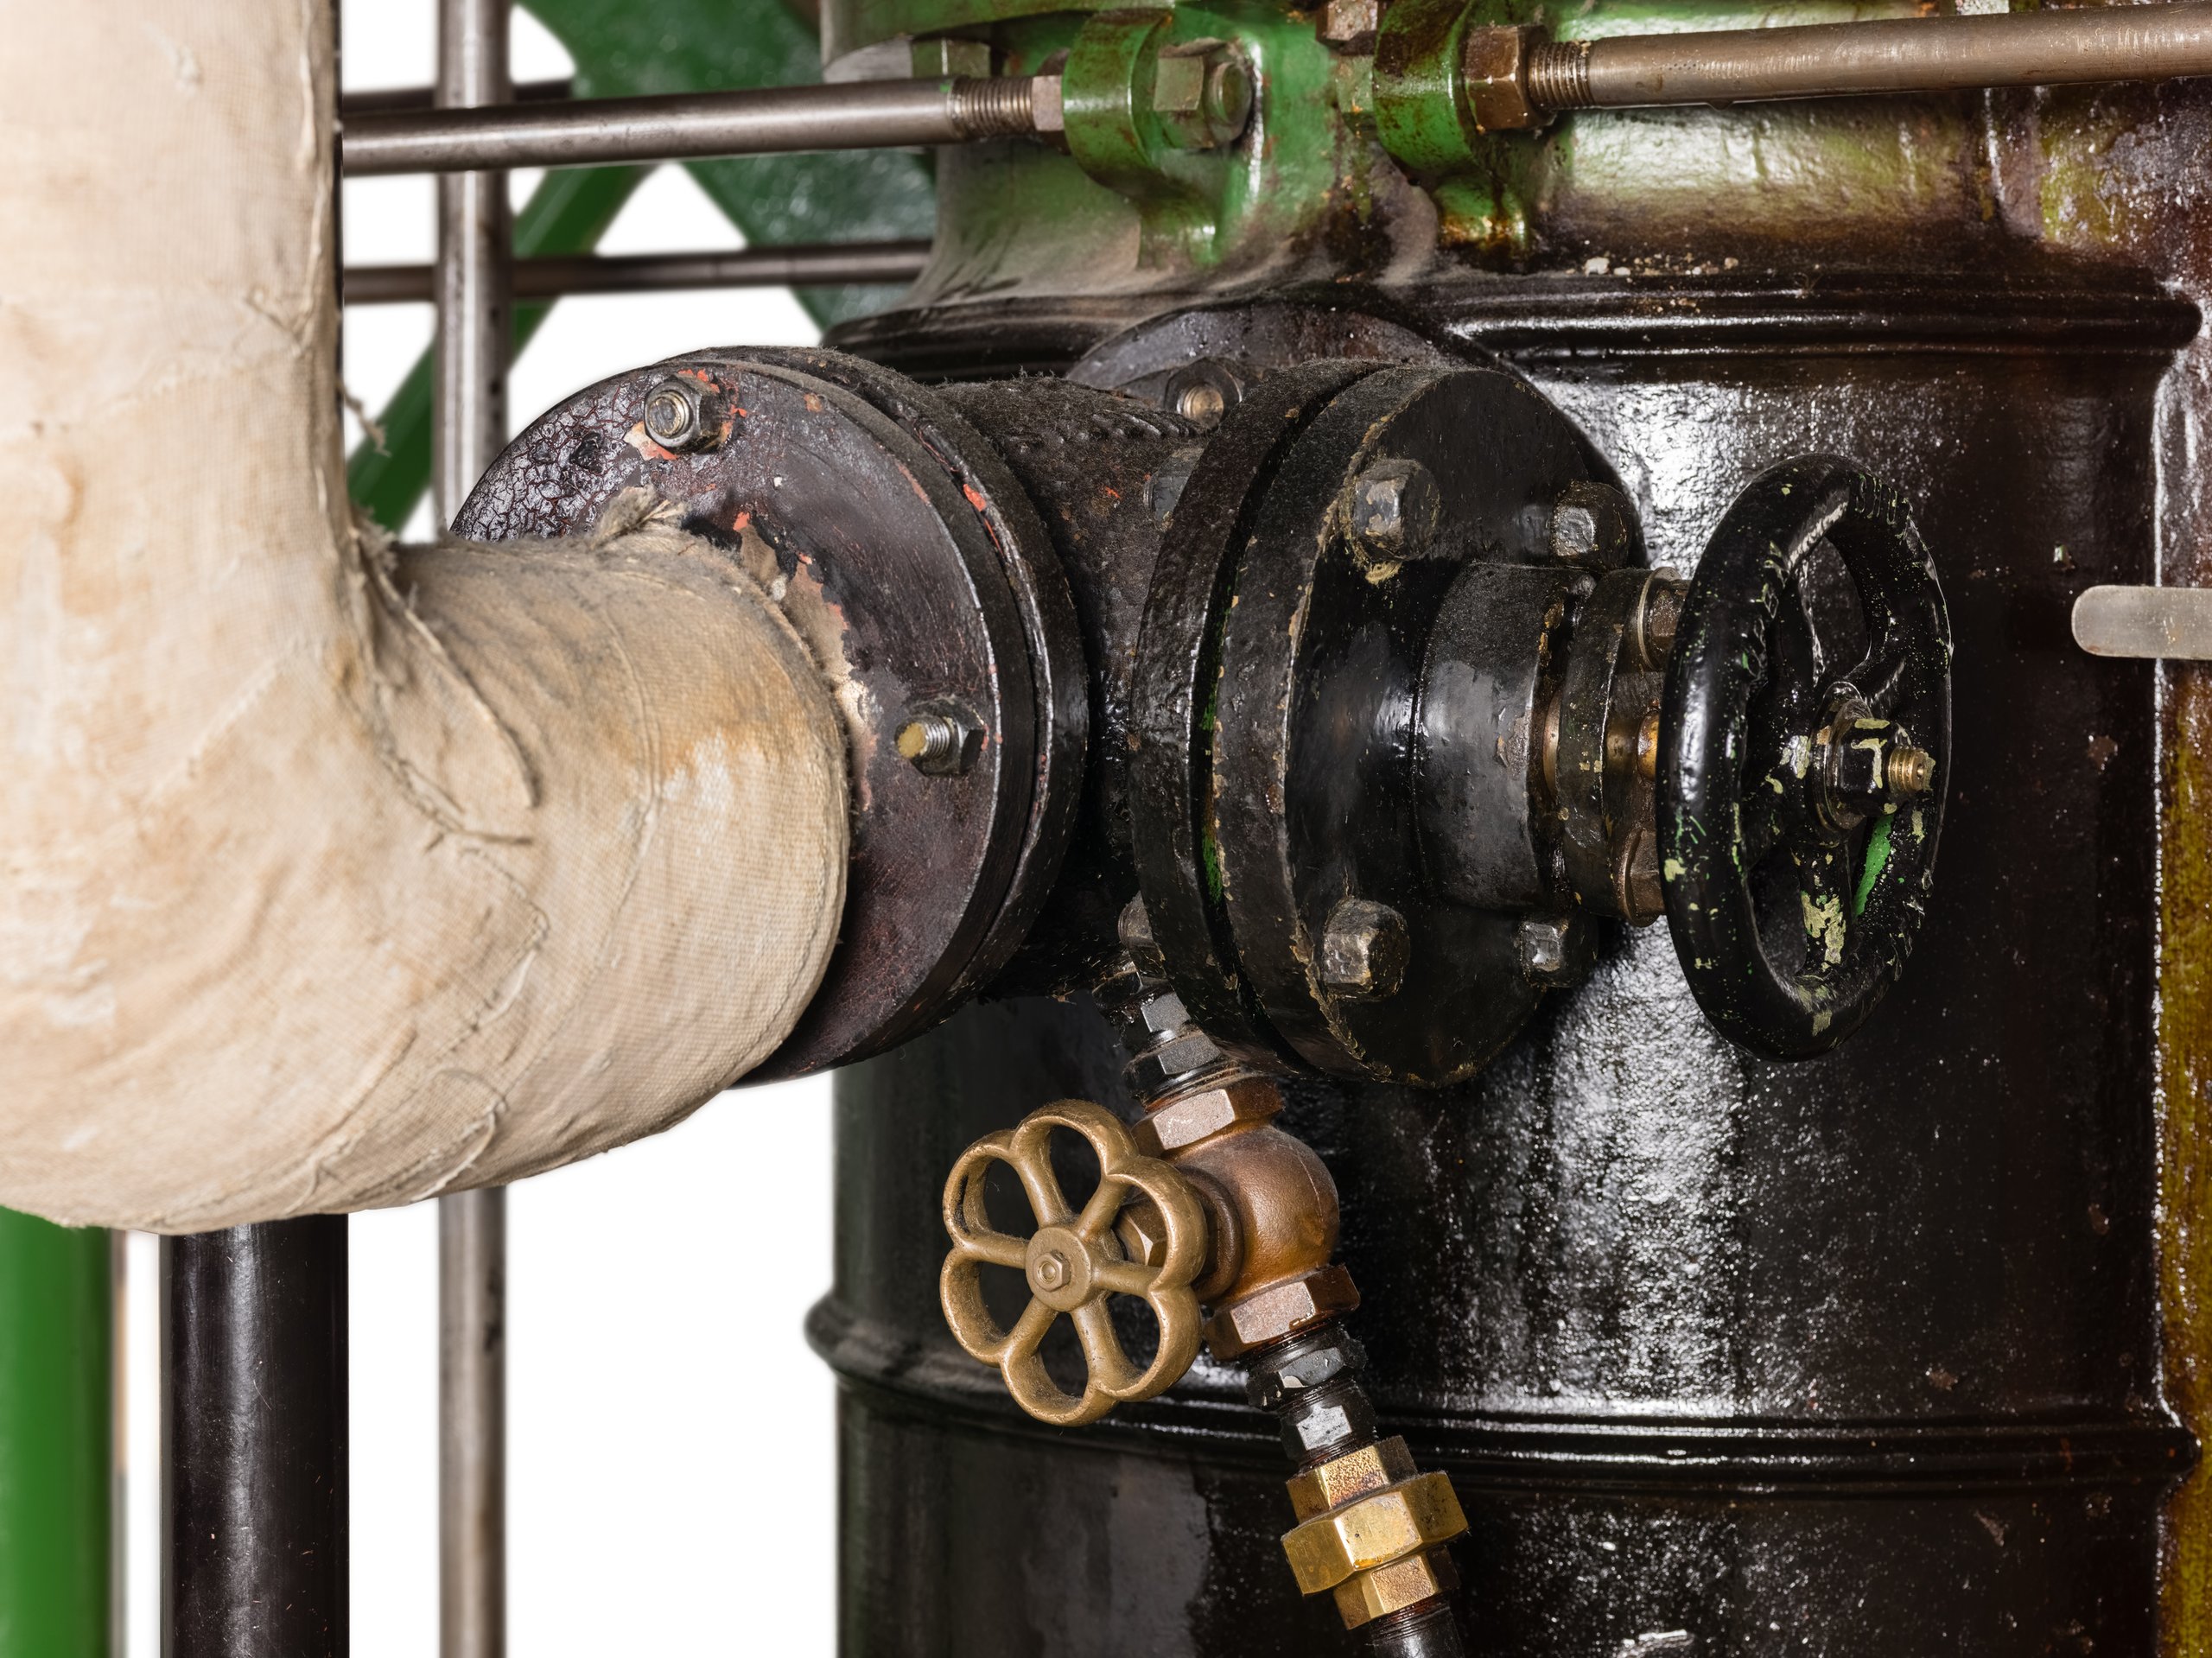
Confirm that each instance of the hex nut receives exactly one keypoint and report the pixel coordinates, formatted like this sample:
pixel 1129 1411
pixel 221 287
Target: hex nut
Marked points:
pixel 1555 950
pixel 1159 1069
pixel 1279 1310
pixel 1366 949
pixel 941 741
pixel 1202 94
pixel 1367 1595
pixel 1349 26
pixel 1182 1123
pixel 1393 509
pixel 1341 1479
pixel 676 414
pixel 1494 79
pixel 1402 1519
pixel 1321 1360
pixel 1592 524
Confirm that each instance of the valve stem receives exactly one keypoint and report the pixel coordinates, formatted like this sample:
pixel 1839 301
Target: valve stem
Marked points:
pixel 1372 1528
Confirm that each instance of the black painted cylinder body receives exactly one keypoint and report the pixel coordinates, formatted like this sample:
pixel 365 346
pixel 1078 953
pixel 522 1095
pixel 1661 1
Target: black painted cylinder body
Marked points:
pixel 1851 1356
pixel 253 1425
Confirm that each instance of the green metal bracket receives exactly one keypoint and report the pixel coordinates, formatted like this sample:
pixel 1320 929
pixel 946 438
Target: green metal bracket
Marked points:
pixel 56 1426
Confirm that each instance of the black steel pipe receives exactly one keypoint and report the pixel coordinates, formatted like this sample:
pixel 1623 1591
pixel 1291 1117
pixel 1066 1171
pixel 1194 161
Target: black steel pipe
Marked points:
pixel 814 264
pixel 253 1422
pixel 1912 54
pixel 868 115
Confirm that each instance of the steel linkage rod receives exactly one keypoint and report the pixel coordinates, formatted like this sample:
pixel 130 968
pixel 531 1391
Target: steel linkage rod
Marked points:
pixel 474 294
pixel 1912 54
pixel 866 115
pixel 808 265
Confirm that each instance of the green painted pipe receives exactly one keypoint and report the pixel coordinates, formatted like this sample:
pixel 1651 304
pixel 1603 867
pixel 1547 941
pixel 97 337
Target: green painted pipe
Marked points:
pixel 56 1421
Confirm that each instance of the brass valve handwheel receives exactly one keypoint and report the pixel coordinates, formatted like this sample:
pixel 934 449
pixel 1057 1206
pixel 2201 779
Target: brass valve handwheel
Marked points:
pixel 1072 1263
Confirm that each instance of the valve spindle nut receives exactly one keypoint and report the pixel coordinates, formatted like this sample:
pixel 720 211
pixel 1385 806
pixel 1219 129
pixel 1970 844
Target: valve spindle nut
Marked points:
pixel 1366 949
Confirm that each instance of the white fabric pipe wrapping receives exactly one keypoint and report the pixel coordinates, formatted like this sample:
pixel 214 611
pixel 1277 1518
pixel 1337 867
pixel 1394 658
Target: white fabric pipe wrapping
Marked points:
pixel 326 883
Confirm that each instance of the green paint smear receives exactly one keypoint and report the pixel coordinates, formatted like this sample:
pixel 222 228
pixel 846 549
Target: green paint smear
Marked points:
pixel 1878 859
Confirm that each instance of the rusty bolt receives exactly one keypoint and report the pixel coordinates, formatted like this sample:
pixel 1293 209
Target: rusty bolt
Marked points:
pixel 940 742
pixel 1364 950
pixel 675 417
pixel 1201 403
pixel 1393 509
pixel 1911 771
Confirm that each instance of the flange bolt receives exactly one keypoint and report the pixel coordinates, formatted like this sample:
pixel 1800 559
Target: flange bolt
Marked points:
pixel 1909 771
pixel 676 414
pixel 1364 950
pixel 940 742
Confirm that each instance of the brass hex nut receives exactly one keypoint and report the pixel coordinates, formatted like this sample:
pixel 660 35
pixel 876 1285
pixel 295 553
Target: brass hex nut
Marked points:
pixel 1399 1520
pixel 1494 70
pixel 1181 1124
pixel 1367 1595
pixel 1336 1482
pixel 1279 1310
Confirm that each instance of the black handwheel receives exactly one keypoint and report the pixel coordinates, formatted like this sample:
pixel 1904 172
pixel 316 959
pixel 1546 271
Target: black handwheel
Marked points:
pixel 1803 756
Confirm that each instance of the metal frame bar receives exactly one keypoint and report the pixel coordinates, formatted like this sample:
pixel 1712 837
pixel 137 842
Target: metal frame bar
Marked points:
pixel 474 293
pixel 821 264
pixel 866 115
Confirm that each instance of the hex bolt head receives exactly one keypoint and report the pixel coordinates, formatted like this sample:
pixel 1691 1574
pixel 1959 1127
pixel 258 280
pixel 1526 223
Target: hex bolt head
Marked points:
pixel 1394 510
pixel 1202 94
pixel 1553 949
pixel 940 742
pixel 675 414
pixel 1364 951
pixel 1593 524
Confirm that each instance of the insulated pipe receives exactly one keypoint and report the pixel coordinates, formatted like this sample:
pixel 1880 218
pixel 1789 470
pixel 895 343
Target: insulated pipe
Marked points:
pixel 333 875
pixel 1919 55
pixel 823 264
pixel 864 115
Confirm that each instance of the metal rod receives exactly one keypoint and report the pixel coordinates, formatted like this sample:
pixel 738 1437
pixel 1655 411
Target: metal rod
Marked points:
pixel 387 99
pixel 473 291
pixel 1913 55
pixel 473 1423
pixel 865 114
pixel 253 1418
pixel 816 266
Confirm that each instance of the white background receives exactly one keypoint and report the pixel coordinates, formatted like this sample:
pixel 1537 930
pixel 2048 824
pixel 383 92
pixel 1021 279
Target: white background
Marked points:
pixel 655 1294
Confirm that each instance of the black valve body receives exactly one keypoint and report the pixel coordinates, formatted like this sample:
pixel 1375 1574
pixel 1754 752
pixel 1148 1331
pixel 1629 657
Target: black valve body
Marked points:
pixel 1724 1355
